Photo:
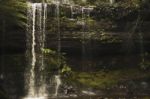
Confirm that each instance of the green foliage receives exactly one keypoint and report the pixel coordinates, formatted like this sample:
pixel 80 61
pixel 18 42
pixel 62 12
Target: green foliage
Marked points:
pixel 65 69
pixel 103 79
pixel 55 61
pixel 48 51
pixel 107 2
pixel 146 97
pixel 13 12
pixel 81 2
pixel 109 38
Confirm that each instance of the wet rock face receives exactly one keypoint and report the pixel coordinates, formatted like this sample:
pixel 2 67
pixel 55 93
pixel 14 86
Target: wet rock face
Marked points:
pixel 35 0
pixel 68 89
pixel 105 16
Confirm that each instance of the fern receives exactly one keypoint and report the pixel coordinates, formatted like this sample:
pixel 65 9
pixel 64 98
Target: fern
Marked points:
pixel 13 12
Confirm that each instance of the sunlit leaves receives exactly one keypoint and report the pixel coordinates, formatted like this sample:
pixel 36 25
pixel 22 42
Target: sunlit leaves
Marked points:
pixel 66 69
pixel 47 51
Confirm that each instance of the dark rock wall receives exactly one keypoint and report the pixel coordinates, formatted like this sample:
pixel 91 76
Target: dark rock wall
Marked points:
pixel 108 19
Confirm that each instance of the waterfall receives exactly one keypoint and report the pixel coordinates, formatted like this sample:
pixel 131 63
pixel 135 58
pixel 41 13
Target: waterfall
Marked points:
pixel 37 13
pixel 61 1
pixel 42 89
pixel 85 14
pixel 83 37
pixel 112 1
pixel 37 16
pixel 32 76
pixel 58 30
pixel 84 1
pixel 58 83
pixel 71 8
pixel 57 77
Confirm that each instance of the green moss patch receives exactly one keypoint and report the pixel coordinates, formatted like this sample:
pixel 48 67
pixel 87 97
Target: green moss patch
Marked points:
pixel 103 79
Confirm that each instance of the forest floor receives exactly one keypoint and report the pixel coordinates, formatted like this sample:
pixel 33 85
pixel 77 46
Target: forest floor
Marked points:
pixel 103 79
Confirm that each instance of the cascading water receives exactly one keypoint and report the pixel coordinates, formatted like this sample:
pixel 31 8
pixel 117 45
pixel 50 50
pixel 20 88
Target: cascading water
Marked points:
pixel 83 36
pixel 61 1
pixel 37 15
pixel 89 44
pixel 58 30
pixel 85 11
pixel 57 77
pixel 111 1
pixel 32 75
pixel 58 83
pixel 35 39
pixel 84 1
pixel 42 78
pixel 71 8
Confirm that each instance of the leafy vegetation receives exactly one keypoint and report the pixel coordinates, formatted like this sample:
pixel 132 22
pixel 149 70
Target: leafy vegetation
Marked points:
pixel 107 2
pixel 13 12
pixel 13 22
pixel 108 79
pixel 55 62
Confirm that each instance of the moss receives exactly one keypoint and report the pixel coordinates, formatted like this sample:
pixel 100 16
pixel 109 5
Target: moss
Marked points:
pixel 103 79
pixel 146 97
pixel 107 2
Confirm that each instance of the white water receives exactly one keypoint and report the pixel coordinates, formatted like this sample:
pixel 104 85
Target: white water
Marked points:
pixel 37 19
pixel 57 77
pixel 112 1
pixel 37 16
pixel 71 8
pixel 58 83
pixel 58 33
pixel 83 36
pixel 35 98
pixel 61 1
pixel 32 77
pixel 42 89
pixel 84 1
pixel 58 28
pixel 85 11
